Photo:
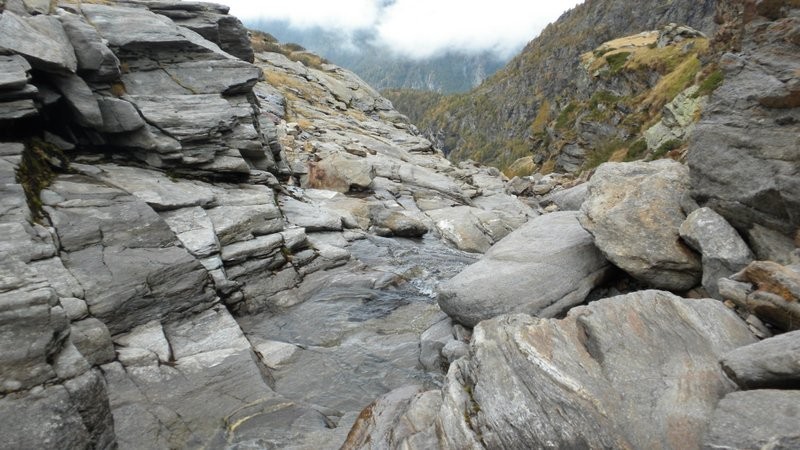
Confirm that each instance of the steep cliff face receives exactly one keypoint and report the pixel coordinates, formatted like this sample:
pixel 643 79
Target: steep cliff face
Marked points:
pixel 492 123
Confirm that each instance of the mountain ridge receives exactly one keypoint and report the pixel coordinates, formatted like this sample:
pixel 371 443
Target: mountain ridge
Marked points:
pixel 491 124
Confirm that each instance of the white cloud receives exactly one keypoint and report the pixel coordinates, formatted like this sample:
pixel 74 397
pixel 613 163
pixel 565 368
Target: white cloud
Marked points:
pixel 338 14
pixel 419 28
pixel 422 28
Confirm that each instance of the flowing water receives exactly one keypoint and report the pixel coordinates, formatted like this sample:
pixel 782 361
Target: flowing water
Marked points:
pixel 357 336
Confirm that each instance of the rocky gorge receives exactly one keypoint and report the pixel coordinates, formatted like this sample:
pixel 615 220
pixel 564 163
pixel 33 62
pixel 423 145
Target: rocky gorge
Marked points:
pixel 207 245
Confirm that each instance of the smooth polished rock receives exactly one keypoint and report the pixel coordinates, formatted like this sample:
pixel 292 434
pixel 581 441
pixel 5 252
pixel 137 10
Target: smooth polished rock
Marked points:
pixel 543 269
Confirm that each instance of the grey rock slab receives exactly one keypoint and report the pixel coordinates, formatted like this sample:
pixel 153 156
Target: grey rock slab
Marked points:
pixel 156 189
pixel 254 248
pixel 119 116
pixel 136 357
pixel 543 269
pixel 513 212
pixel 47 419
pixel 86 212
pixel 193 402
pixel 244 195
pixel 194 229
pixel 723 250
pixel 308 216
pixel 570 199
pixel 633 211
pixel 74 308
pixel 92 338
pixel 402 418
pixel 758 419
pixel 773 363
pixel 138 28
pixel 80 97
pixel 431 343
pixel 275 353
pixel 189 117
pixel 39 47
pixel 31 328
pixel 18 109
pixel 340 173
pixel 230 76
pixel 241 223
pixel 149 336
pixel 58 276
pixel 770 245
pixel 468 228
pixel 26 242
pixel 127 287
pixel 210 331
pixel 92 53
pixel 89 393
pixel 403 224
pixel 152 82
pixel 13 72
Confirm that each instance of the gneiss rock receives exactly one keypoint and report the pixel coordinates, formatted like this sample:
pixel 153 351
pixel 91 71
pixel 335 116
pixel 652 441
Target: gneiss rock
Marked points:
pixel 542 269
pixel 94 56
pixel 124 255
pixel 773 363
pixel 743 154
pixel 724 252
pixel 636 371
pixel 774 295
pixel 40 48
pixel 762 419
pixel 633 210
pixel 13 72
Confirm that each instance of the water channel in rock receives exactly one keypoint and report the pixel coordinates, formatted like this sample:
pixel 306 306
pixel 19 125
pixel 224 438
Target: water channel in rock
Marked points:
pixel 358 335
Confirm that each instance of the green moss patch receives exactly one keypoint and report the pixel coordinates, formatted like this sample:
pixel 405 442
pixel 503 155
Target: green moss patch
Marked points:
pixel 40 164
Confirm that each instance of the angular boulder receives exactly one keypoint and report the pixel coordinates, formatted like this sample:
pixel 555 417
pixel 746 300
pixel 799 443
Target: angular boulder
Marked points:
pixel 773 363
pixel 633 211
pixel 723 250
pixel 543 269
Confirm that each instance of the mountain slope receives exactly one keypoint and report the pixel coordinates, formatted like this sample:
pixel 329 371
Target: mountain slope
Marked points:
pixel 492 122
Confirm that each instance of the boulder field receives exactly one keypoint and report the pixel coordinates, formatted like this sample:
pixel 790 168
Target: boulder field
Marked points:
pixel 209 246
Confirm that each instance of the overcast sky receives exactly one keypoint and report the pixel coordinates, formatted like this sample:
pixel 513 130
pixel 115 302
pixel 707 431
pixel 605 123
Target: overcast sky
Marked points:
pixel 418 28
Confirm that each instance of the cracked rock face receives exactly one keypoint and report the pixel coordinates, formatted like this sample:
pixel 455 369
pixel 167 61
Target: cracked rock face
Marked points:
pixel 743 156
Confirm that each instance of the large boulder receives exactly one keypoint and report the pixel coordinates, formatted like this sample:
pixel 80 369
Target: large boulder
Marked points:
pixel 634 212
pixel 743 154
pixel 636 371
pixel 542 269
